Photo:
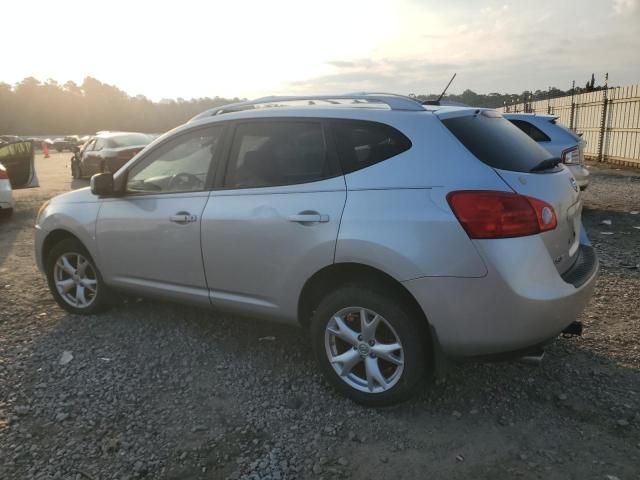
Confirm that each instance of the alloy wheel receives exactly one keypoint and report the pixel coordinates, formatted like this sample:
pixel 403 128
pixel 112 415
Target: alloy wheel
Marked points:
pixel 75 280
pixel 364 349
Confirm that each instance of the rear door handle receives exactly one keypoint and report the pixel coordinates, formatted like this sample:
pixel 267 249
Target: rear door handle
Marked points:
pixel 308 218
pixel 183 218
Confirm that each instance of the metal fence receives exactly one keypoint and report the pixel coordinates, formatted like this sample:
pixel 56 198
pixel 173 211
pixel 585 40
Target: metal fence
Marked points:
pixel 609 120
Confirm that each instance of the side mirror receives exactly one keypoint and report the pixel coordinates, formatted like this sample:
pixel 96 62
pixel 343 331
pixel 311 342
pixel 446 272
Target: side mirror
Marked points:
pixel 102 184
pixel 76 149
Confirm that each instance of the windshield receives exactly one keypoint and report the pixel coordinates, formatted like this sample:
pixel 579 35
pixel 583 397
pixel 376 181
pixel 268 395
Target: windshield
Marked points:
pixel 128 140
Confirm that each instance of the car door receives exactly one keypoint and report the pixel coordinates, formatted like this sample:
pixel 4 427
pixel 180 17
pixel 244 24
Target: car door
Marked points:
pixel 18 158
pixel 149 239
pixel 273 220
pixel 92 160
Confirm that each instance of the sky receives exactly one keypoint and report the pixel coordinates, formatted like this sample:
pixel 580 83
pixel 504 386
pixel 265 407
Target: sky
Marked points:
pixel 238 48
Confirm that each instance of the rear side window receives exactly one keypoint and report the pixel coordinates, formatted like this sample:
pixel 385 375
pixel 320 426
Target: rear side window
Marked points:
pixel 496 142
pixel 530 129
pixel 272 153
pixel 361 144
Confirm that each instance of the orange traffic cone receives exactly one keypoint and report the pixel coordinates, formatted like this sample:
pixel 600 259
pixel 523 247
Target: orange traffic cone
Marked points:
pixel 45 149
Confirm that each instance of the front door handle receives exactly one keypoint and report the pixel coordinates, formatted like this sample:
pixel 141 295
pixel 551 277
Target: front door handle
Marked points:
pixel 183 218
pixel 308 218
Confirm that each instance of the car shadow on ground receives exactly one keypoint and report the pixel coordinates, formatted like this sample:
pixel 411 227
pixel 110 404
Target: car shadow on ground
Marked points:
pixel 11 224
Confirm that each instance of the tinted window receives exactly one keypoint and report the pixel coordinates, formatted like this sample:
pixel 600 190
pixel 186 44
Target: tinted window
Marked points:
pixel 497 142
pixel 100 144
pixel 530 129
pixel 130 140
pixel 89 145
pixel 361 144
pixel 267 154
pixel 179 165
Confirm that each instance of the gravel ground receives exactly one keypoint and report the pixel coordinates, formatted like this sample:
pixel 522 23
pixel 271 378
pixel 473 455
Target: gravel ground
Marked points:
pixel 151 390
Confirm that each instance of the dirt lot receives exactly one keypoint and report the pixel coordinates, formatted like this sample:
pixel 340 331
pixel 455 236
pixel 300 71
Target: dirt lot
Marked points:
pixel 164 391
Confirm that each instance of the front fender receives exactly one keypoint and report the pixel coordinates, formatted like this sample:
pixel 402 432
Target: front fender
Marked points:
pixel 78 219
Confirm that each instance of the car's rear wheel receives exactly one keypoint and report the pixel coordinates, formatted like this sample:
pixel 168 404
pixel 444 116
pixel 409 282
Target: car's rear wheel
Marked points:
pixel 74 279
pixel 370 345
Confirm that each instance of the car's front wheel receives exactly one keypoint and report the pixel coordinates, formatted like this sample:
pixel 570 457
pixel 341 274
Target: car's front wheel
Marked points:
pixel 370 345
pixel 74 279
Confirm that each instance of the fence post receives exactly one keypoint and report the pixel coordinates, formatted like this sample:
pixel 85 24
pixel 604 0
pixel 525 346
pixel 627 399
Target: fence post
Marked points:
pixel 603 119
pixel 573 106
pixel 549 102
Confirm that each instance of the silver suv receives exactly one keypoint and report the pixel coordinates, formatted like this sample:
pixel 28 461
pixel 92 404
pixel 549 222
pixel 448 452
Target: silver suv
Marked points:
pixel 557 139
pixel 399 234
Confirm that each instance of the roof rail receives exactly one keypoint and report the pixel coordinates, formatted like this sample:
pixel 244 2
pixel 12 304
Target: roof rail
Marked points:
pixel 393 101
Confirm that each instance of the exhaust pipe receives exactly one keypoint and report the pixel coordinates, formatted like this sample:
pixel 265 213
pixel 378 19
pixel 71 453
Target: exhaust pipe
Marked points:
pixel 534 358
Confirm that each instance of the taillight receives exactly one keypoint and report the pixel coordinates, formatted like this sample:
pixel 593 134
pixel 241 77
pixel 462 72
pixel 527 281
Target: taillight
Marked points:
pixel 571 156
pixel 3 173
pixel 491 214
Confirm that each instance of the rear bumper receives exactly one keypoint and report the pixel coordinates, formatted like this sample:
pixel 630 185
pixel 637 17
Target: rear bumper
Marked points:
pixel 521 302
pixel 6 195
pixel 581 174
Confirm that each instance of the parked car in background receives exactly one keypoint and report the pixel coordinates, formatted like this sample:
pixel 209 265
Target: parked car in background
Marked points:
pixel 107 152
pixel 557 140
pixel 6 192
pixel 66 143
pixel 397 233
pixel 16 170
pixel 9 139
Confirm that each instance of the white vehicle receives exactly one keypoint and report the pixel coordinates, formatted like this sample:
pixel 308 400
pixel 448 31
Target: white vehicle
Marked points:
pixel 6 193
pixel 16 171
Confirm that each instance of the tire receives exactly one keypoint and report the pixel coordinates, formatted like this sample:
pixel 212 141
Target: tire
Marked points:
pixel 403 370
pixel 96 300
pixel 75 170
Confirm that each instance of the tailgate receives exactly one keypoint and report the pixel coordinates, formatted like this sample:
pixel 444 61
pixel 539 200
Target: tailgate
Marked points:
pixel 560 191
pixel 520 162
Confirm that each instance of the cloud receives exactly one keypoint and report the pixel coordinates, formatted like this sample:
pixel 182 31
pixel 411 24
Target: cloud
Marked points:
pixel 626 7
pixel 493 47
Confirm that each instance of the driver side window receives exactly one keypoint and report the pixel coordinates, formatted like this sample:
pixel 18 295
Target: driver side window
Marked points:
pixel 179 165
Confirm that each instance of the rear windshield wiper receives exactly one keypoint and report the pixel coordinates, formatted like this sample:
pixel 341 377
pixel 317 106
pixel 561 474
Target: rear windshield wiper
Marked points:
pixel 547 164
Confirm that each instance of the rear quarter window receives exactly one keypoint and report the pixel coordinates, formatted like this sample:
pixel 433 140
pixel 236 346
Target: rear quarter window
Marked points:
pixel 496 142
pixel 361 144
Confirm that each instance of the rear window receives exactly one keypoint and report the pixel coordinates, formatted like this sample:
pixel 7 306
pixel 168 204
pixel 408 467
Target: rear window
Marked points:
pixel 361 143
pixel 534 132
pixel 132 140
pixel 496 142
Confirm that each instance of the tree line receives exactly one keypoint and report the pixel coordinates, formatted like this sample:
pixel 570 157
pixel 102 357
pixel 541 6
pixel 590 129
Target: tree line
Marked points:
pixel 31 107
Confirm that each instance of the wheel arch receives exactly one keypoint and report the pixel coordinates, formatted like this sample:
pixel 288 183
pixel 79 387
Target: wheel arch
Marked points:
pixel 337 274
pixel 53 238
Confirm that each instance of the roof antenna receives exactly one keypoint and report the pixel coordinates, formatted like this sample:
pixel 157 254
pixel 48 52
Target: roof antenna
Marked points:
pixel 437 102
